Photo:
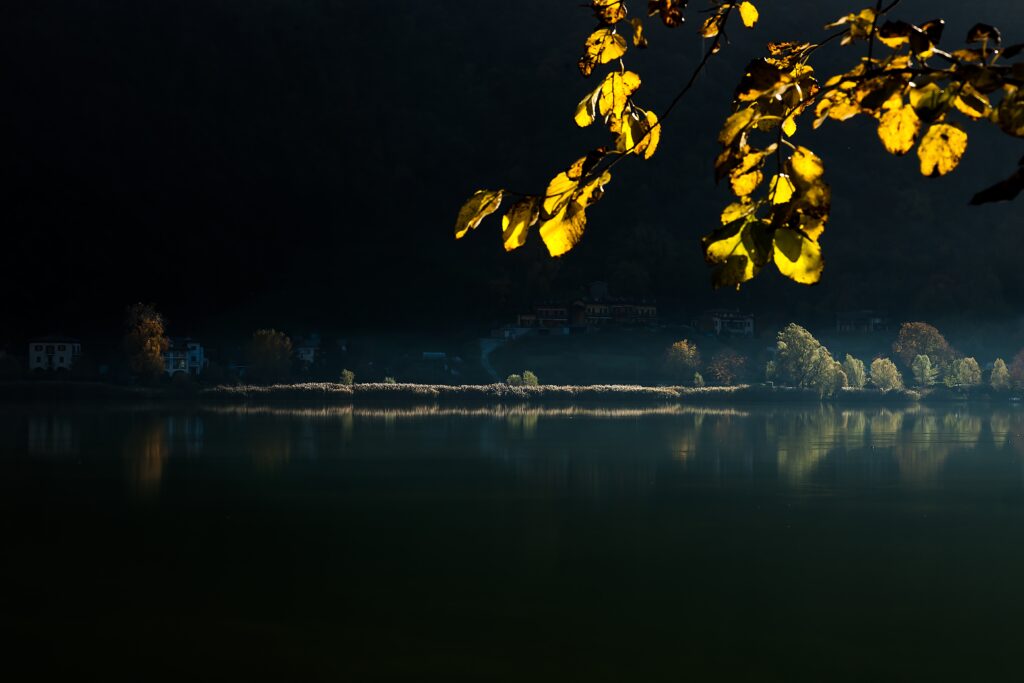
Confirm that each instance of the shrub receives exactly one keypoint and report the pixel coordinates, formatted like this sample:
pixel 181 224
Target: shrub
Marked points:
pixel 390 380
pixel 682 359
pixel 854 369
pixel 530 379
pixel 1000 378
pixel 963 372
pixel 348 378
pixel 885 376
pixel 698 379
pixel 514 380
pixel 727 366
pixel 924 373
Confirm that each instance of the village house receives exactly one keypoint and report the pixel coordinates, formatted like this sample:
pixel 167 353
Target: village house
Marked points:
pixel 306 349
pixel 185 356
pixel 727 323
pixel 861 322
pixel 53 353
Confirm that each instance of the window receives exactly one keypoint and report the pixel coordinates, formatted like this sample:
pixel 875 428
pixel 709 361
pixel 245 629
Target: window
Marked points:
pixel 61 347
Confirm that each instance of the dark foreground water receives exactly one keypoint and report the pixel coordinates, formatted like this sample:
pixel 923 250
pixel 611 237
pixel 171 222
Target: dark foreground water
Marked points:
pixel 673 544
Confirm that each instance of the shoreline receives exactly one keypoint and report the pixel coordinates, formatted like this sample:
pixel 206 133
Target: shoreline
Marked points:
pixel 477 394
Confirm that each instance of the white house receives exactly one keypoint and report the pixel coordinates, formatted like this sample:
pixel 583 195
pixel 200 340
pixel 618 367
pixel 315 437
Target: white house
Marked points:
pixel 53 353
pixel 185 356
pixel 306 349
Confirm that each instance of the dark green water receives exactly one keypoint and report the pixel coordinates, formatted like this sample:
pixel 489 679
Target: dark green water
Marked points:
pixel 566 544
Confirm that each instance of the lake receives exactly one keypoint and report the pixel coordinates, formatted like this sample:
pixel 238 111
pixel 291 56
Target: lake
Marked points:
pixel 510 544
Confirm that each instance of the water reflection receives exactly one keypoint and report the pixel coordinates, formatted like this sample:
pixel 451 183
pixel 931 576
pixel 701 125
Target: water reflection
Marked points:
pixel 146 452
pixel 597 449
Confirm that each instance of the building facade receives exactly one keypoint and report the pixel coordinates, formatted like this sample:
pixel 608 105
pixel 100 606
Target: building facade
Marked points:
pixel 185 356
pixel 53 353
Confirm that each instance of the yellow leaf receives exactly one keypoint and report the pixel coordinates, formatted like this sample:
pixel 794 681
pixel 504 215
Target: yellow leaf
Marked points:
pixel 789 126
pixel 712 25
pixel 586 110
pixel 928 101
pixel 739 249
pixel 837 105
pixel 781 189
pixel 745 178
pixel 748 13
pixel 734 125
pixel 736 211
pixel 639 39
pixel 601 47
pixel 615 91
pixel 972 103
pixel 807 167
pixel 671 11
pixel 898 128
pixel 609 11
pixel 517 222
pixel 563 230
pixel 798 257
pixel 649 142
pixel 479 206
pixel 941 149
pixel 1010 114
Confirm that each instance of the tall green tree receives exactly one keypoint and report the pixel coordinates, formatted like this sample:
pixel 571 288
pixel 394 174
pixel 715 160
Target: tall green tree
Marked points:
pixel 854 369
pixel 963 372
pixel 925 373
pixel 145 341
pixel 885 375
pixel 802 361
pixel 1000 378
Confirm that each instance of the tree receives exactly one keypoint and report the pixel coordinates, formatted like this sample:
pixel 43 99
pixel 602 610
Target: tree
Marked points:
pixel 530 379
pixel 682 360
pixel 802 361
pixel 854 369
pixel 514 380
pixel 919 338
pixel 1000 378
pixel 911 87
pixel 270 356
pixel 727 366
pixel 925 373
pixel 348 378
pixel 885 375
pixel 145 341
pixel 698 380
pixel 963 372
pixel 1017 370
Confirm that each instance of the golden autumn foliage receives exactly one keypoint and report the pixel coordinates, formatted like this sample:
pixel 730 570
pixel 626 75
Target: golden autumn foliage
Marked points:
pixel 919 94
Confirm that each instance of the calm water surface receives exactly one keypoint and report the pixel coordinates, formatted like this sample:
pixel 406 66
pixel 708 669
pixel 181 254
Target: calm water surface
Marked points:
pixel 513 544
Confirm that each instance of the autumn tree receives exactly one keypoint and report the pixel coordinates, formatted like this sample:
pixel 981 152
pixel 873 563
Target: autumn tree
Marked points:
pixel 1000 377
pixel 854 369
pixel 682 360
pixel 145 341
pixel 925 373
pixel 728 366
pixel 1017 370
pixel 270 356
pixel 919 338
pixel 919 95
pixel 885 375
